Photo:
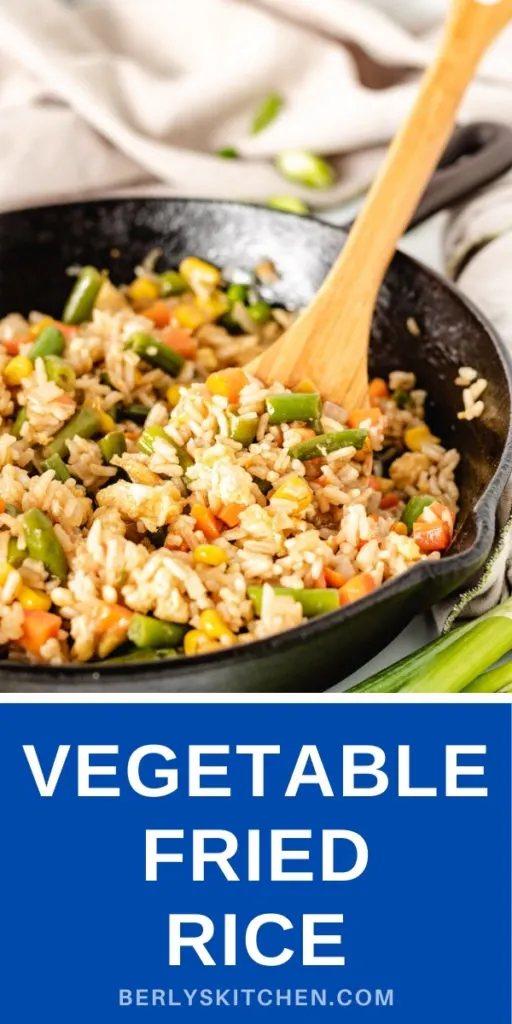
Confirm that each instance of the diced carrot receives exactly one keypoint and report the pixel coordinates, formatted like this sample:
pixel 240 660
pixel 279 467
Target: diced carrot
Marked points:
pixel 38 627
pixel 361 415
pixel 227 383
pixel 434 536
pixel 389 501
pixel 159 313
pixel 359 586
pixel 113 616
pixel 377 390
pixel 447 515
pixel 206 521
pixel 333 578
pixel 2 505
pixel 230 514
pixel 12 345
pixel 375 483
pixel 180 340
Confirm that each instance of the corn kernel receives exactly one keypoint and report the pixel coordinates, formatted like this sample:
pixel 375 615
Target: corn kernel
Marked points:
pixel 5 571
pixel 36 329
pixel 173 395
pixel 17 369
pixel 214 626
pixel 197 642
pixel 107 424
pixel 295 490
pixel 189 315
pixel 305 387
pixel 210 554
pixel 143 290
pixel 214 306
pixel 399 528
pixel 416 437
pixel 34 600
pixel 202 277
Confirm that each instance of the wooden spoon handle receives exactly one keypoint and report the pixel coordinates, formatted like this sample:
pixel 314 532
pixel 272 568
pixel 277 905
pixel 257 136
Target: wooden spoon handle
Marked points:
pixel 471 27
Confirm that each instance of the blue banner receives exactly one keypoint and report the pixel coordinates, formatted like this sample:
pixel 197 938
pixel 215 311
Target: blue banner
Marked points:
pixel 331 861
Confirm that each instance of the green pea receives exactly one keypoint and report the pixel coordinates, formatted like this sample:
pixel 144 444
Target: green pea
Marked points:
pixel 171 283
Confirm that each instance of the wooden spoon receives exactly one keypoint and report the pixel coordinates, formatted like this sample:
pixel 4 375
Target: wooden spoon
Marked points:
pixel 329 341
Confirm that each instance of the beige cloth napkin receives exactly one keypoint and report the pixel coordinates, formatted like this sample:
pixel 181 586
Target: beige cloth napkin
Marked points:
pixel 131 94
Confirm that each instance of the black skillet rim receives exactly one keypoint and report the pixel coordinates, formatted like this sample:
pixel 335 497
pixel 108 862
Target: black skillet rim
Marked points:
pixel 484 516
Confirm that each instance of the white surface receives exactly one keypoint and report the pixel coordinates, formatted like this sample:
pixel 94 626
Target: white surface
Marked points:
pixel 423 243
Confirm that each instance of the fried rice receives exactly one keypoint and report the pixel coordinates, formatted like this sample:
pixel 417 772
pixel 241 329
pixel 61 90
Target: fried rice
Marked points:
pixel 188 516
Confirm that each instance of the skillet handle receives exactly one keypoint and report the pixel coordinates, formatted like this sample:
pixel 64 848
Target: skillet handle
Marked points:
pixel 476 155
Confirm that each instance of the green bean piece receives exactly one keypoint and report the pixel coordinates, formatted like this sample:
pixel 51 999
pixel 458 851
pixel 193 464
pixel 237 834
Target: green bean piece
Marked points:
pixel 59 468
pixel 171 283
pixel 314 602
pixel 85 423
pixel 288 408
pixel 146 443
pixel 243 428
pixel 402 398
pixel 21 417
pixel 267 112
pixel 51 342
pixel 15 555
pixel 228 153
pixel 324 444
pixel 147 632
pixel 136 412
pixel 260 312
pixel 414 508
pixel 289 204
pixel 11 509
pixel 237 293
pixel 306 168
pixel 83 295
pixel 112 444
pixel 43 544
pixel 153 352
pixel 230 324
pixel 60 372
pixel 146 654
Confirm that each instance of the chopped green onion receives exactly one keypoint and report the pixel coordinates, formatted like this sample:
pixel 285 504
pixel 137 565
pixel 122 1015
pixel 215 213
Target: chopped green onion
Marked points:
pixel 314 602
pixel 306 168
pixel 153 352
pixel 414 508
pixel 289 204
pixel 147 632
pixel 324 444
pixel 83 296
pixel 288 408
pixel 267 112
pixel 228 153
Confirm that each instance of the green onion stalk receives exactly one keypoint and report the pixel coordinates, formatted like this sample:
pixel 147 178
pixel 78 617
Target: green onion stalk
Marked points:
pixel 453 662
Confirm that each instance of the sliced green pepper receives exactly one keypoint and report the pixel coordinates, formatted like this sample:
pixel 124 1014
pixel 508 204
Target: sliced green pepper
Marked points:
pixel 43 544
pixel 85 423
pixel 324 444
pixel 147 632
pixel 314 602
pixel 59 468
pixel 414 508
pixel 83 295
pixel 51 342
pixel 288 408
pixel 153 352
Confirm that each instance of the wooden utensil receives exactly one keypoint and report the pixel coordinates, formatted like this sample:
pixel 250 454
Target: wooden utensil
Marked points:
pixel 329 341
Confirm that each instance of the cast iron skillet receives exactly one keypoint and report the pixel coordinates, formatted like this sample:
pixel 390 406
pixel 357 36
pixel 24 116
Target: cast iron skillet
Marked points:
pixel 37 245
